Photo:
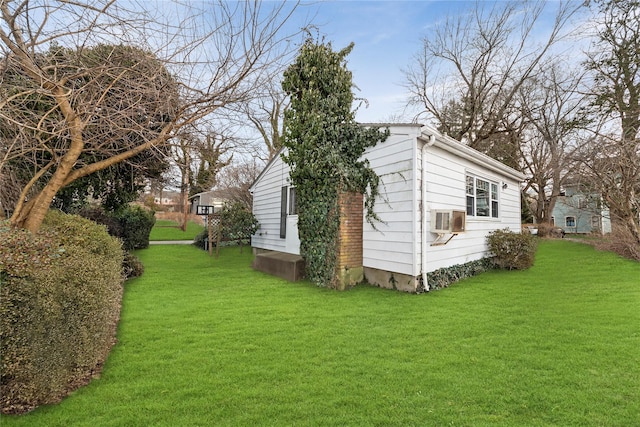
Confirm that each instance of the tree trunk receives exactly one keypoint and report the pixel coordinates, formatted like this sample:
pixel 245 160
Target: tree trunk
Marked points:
pixel 185 191
pixel 31 214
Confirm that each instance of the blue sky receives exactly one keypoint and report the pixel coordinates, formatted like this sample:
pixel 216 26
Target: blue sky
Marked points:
pixel 387 34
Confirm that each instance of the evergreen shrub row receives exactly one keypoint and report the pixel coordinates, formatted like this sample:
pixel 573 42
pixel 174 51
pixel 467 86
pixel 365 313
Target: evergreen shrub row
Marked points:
pixel 443 277
pixel 60 296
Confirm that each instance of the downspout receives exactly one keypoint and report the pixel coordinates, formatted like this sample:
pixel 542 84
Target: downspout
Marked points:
pixel 423 201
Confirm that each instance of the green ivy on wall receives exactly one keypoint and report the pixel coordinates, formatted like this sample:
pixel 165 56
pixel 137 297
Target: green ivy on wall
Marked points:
pixel 324 145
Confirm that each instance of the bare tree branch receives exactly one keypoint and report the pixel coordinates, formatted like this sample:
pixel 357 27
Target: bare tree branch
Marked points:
pixel 113 82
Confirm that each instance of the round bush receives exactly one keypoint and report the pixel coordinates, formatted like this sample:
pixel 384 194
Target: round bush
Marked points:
pixel 136 224
pixel 58 309
pixel 512 251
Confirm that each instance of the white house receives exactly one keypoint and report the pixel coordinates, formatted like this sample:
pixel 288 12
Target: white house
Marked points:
pixel 438 201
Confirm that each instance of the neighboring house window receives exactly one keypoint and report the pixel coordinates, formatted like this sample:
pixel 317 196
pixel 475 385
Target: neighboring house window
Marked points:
pixel 293 201
pixel 570 221
pixel 482 197
pixel 595 222
pixel 582 204
pixel 553 220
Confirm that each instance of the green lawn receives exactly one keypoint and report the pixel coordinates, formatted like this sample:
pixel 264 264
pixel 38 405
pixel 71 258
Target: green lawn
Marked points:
pixel 209 342
pixel 170 230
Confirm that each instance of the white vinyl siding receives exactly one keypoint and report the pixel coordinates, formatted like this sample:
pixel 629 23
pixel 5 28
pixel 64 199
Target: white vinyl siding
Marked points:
pixel 267 191
pixel 447 189
pixel 391 244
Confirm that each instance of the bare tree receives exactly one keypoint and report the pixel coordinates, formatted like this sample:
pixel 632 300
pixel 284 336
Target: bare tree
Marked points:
pixel 266 113
pixel 234 181
pixel 211 155
pixel 471 67
pixel 62 105
pixel 555 120
pixel 613 159
pixel 198 159
pixel 182 157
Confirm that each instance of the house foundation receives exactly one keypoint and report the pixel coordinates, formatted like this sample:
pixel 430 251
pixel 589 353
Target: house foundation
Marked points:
pixel 390 280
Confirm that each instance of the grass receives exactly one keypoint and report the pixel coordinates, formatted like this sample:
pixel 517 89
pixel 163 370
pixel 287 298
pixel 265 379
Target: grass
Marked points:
pixel 170 230
pixel 206 341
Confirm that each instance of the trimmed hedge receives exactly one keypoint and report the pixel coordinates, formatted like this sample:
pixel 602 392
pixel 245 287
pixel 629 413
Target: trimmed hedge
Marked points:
pixel 60 296
pixel 512 251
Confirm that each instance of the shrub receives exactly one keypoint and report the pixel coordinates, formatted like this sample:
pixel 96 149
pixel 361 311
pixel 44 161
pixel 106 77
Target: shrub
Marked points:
pixel 98 215
pixel 238 223
pixel 200 238
pixel 621 242
pixel 512 251
pixel 132 266
pixel 548 230
pixel 136 224
pixel 443 277
pixel 60 302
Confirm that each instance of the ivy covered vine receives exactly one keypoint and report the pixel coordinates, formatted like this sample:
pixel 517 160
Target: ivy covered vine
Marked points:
pixel 324 146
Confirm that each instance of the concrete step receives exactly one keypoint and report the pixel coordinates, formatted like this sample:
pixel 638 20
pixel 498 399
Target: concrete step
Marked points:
pixel 280 264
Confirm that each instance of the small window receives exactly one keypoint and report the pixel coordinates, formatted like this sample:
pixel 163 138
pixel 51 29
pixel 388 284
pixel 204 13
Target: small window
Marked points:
pixel 595 222
pixel 582 203
pixel 470 196
pixel 293 201
pixel 494 200
pixel 570 221
pixel 283 212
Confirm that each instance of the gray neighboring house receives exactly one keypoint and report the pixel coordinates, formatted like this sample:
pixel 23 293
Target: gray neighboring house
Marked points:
pixel 580 211
pixel 207 198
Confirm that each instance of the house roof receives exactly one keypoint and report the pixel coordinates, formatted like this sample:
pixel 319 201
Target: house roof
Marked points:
pixel 459 149
pixel 216 194
pixel 442 141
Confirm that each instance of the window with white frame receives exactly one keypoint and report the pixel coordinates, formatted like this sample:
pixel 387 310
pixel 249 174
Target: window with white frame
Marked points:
pixel 482 197
pixel 570 221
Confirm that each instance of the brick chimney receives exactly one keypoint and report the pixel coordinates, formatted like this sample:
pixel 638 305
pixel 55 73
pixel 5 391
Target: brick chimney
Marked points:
pixel 349 271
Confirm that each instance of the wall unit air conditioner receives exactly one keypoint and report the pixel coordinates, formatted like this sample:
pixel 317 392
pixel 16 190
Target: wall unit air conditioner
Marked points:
pixel 444 222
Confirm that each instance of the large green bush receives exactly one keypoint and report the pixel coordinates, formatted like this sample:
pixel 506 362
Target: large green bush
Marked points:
pixel 136 223
pixel 131 224
pixel 512 251
pixel 238 223
pixel 60 295
pixel 132 237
